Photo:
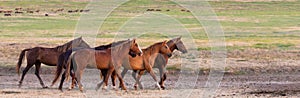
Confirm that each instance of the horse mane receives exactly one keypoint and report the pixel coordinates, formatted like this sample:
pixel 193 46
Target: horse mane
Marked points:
pixel 150 48
pixel 120 45
pixel 174 40
pixel 68 45
pixel 109 45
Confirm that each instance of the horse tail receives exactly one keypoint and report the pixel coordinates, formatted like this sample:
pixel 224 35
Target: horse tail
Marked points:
pixel 59 67
pixel 21 57
pixel 68 67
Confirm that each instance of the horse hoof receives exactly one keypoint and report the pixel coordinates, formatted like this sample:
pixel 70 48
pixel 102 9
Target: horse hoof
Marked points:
pixel 82 91
pixel 104 88
pixel 115 88
pixel 126 91
pixel 51 85
pixel 136 87
pixel 97 88
pixel 45 87
pixel 163 87
pixel 20 84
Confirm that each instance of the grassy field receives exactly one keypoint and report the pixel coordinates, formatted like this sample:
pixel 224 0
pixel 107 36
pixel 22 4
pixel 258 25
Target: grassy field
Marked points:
pixel 246 24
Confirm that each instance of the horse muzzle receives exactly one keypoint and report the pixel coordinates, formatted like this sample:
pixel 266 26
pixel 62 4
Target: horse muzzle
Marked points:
pixel 169 55
pixel 185 51
pixel 140 54
pixel 132 54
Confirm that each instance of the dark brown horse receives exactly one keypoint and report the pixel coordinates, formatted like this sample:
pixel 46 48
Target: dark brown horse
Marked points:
pixel 162 60
pixel 146 62
pixel 107 60
pixel 63 58
pixel 49 56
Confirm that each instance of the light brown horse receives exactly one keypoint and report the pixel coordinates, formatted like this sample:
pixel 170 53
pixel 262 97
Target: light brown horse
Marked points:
pixel 162 60
pixel 107 61
pixel 49 56
pixel 63 58
pixel 146 62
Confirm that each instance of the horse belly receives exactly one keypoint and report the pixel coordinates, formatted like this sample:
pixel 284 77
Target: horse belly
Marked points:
pixel 102 62
pixel 136 64
pixel 48 59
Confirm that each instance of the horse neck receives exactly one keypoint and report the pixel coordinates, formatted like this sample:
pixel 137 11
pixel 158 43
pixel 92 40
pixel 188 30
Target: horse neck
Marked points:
pixel 67 46
pixel 151 50
pixel 61 48
pixel 172 47
pixel 120 52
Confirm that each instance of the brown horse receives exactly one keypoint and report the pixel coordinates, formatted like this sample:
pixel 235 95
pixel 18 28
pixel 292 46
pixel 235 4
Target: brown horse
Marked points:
pixel 146 62
pixel 107 60
pixel 49 56
pixel 162 60
pixel 63 58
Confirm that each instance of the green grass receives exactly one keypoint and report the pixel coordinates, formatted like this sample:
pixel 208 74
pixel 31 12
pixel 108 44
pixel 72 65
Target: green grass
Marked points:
pixel 264 25
pixel 274 45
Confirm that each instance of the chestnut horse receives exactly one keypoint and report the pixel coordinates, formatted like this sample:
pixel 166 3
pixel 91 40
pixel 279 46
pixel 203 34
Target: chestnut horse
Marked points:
pixel 107 60
pixel 63 58
pixel 162 60
pixel 48 56
pixel 146 62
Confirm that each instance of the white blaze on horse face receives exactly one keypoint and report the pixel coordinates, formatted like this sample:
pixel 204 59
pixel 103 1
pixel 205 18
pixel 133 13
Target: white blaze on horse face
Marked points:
pixel 140 50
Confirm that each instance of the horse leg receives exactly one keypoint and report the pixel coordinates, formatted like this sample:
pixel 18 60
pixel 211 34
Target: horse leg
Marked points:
pixel 124 72
pixel 162 76
pixel 73 80
pixel 37 73
pixel 118 73
pixel 163 80
pixel 134 76
pixel 109 72
pixel 78 75
pixel 113 80
pixel 137 81
pixel 63 77
pixel 104 72
pixel 29 65
pixel 154 77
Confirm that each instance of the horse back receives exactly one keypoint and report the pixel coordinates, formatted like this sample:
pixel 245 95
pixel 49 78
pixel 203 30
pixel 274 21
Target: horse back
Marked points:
pixel 103 59
pixel 48 56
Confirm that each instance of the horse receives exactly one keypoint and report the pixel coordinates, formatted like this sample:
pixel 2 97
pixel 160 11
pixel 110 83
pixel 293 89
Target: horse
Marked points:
pixel 162 60
pixel 48 56
pixel 63 58
pixel 146 62
pixel 107 60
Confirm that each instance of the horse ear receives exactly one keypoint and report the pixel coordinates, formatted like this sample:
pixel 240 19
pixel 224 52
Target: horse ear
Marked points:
pixel 179 37
pixel 133 40
pixel 165 42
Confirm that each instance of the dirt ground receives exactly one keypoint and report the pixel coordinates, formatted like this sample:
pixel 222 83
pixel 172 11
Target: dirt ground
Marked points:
pixel 250 85
pixel 248 73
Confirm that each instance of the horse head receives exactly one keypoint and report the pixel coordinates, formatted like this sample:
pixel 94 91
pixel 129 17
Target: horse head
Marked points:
pixel 135 49
pixel 164 49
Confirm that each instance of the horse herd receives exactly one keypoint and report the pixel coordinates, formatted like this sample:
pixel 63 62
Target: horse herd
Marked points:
pixel 75 55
